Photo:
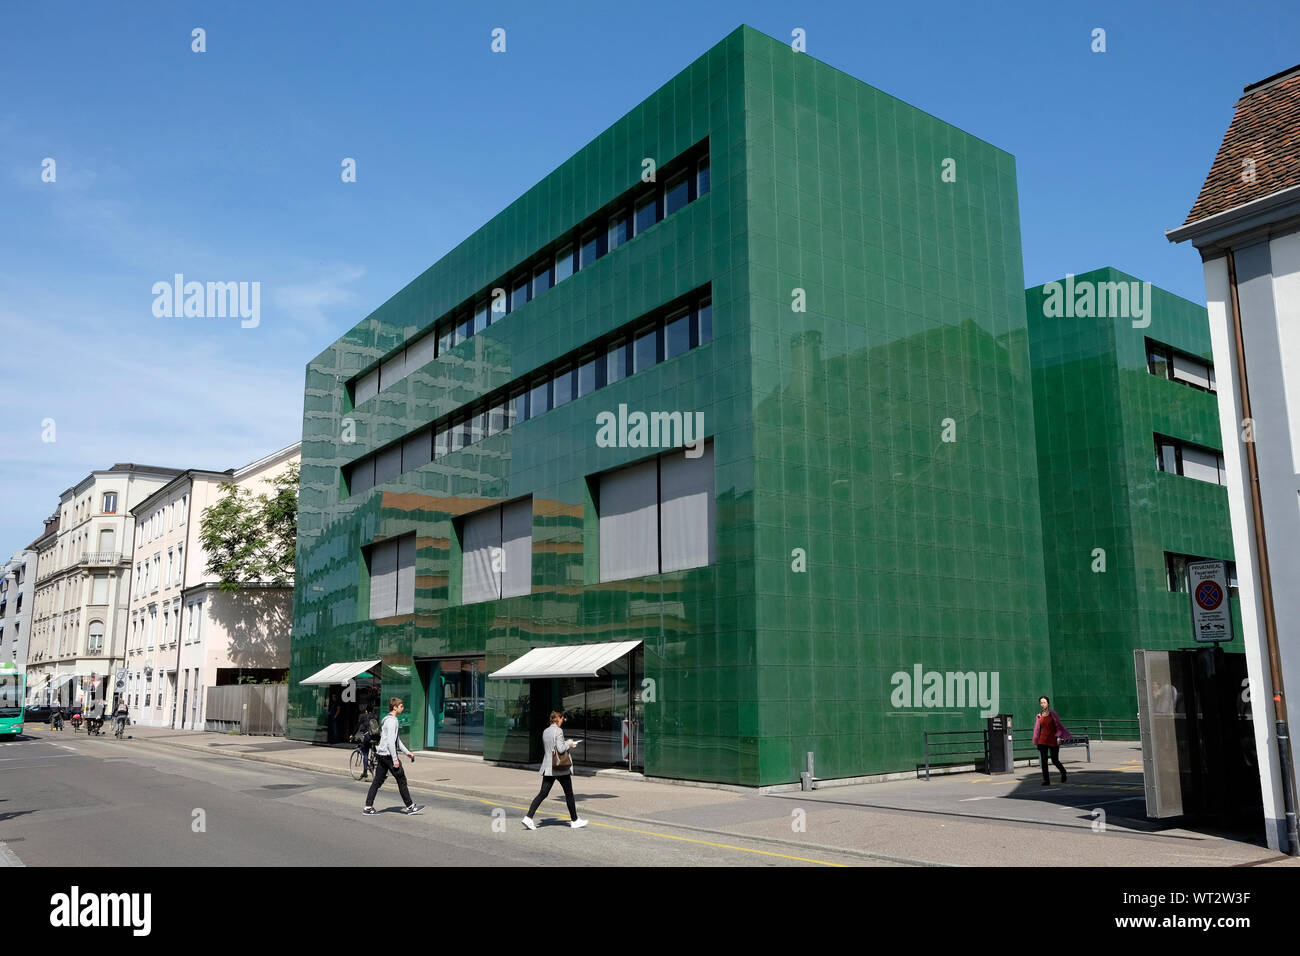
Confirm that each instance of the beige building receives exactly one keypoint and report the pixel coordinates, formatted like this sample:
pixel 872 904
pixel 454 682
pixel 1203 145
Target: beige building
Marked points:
pixel 183 634
pixel 82 584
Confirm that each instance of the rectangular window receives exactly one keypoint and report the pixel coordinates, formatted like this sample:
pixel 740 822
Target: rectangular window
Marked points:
pixel 647 212
pixel 481 557
pixel 440 440
pixel 367 387
pixel 388 464
pixel 702 177
pixel 445 339
pixel 677 335
pixel 517 548
pixel 466 329
pixel 563 264
pixel 420 353
pixel 481 318
pixel 704 323
pixel 541 279
pixel 1191 372
pixel 587 376
pixel 646 349
pixel 496 418
pixel 629 522
pixel 539 398
pixel 110 503
pixel 406 574
pixel 620 230
pixel 392 371
pixel 416 450
pixel 616 362
pixel 99 592
pixel 562 387
pixel 383 579
pixel 686 510
pixel 519 295
pixel 677 193
pixel 180 563
pixel 457 333
pixel 590 249
pixel 477 427
pixel 519 407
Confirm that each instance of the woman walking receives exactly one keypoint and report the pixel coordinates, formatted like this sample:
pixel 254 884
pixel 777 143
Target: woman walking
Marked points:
pixel 1048 734
pixel 557 764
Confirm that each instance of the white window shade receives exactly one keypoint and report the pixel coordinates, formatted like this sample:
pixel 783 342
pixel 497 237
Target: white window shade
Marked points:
pixel 481 538
pixel 99 593
pixel 406 574
pixel 367 387
pixel 687 510
pixel 388 464
pixel 517 544
pixel 1201 464
pixel 383 579
pixel 393 370
pixel 420 353
pixel 629 522
pixel 1169 458
pixel 1190 370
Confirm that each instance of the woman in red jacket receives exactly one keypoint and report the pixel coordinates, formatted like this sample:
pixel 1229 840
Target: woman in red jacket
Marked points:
pixel 1048 734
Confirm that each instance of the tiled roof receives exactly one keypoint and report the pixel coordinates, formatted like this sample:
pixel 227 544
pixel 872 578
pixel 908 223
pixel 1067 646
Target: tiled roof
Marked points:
pixel 1266 129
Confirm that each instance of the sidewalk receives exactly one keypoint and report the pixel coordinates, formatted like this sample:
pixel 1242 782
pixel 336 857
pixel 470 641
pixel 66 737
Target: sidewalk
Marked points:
pixel 963 819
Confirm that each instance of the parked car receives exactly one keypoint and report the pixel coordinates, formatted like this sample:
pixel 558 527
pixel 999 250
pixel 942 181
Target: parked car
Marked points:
pixel 41 713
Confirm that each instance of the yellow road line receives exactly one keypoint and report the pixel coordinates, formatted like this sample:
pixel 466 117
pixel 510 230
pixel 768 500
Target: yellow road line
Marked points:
pixel 665 836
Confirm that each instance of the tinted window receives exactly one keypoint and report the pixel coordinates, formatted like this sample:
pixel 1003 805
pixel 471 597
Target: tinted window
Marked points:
pixel 563 264
pixel 562 387
pixel 620 230
pixel 590 249
pixel 466 329
pixel 497 305
pixel 677 335
pixel 587 376
pixel 541 280
pixel 496 421
pixel 704 317
pixel 539 398
pixel 457 334
pixel 616 362
pixel 677 194
pixel 519 408
pixel 444 340
pixel 647 213
pixel 646 352
pixel 477 427
pixel 456 436
pixel 481 317
pixel 520 293
pixel 702 177
pixel 440 443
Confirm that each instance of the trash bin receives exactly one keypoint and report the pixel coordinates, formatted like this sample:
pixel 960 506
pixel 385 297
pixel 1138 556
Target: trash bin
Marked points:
pixel 1000 750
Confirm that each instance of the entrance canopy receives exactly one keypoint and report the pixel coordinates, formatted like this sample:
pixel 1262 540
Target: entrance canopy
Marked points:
pixel 339 673
pixel 571 660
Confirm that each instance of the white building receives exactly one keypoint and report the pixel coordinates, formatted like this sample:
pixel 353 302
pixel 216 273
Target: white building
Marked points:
pixel 184 635
pixel 82 582
pixel 16 582
pixel 1246 225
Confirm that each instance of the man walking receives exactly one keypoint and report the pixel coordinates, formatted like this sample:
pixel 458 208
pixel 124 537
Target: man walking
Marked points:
pixel 387 760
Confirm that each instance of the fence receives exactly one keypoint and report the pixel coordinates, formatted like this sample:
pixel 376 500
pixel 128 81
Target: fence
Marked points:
pixel 1099 728
pixel 256 709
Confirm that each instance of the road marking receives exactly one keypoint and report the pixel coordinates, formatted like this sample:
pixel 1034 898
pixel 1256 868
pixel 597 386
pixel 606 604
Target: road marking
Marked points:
pixel 665 836
pixel 8 857
pixel 38 757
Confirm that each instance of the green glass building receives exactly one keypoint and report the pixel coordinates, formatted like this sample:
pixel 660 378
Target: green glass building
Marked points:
pixel 1131 476
pixel 824 286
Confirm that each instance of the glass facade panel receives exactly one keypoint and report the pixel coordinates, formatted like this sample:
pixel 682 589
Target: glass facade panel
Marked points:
pixel 620 230
pixel 563 264
pixel 677 194
pixel 587 377
pixel 646 350
pixel 539 398
pixel 616 362
pixel 562 387
pixel 519 295
pixel 677 335
pixel 457 698
pixel 647 212
pixel 541 280
pixel 590 249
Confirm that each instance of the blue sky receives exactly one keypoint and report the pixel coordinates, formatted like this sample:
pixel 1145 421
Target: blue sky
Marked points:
pixel 225 165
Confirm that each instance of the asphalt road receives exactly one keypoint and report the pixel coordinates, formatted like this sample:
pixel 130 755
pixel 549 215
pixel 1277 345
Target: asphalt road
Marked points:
pixel 68 800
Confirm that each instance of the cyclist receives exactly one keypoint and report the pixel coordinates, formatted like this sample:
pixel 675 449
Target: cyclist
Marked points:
pixel 365 738
pixel 95 717
pixel 56 718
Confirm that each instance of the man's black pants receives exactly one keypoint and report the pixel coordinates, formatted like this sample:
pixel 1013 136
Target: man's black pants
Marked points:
pixel 383 767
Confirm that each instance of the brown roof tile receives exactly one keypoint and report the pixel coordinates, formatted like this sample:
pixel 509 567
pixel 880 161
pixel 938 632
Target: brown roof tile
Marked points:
pixel 1266 129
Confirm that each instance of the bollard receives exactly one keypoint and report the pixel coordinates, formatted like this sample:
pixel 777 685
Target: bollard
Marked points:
pixel 806 778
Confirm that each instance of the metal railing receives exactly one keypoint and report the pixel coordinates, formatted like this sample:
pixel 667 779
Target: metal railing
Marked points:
pixel 1099 728
pixel 972 746
pixel 101 557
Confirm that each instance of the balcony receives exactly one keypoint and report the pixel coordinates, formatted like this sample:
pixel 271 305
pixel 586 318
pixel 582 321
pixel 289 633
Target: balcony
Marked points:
pixel 96 559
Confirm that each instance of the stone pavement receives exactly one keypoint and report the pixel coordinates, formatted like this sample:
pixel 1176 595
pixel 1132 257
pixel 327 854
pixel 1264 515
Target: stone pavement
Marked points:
pixel 1096 819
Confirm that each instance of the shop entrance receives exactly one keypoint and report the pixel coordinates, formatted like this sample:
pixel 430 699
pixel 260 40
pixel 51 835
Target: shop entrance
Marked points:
pixel 456 695
pixel 603 711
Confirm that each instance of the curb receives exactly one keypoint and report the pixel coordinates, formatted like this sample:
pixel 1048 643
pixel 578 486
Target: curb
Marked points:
pixel 497 797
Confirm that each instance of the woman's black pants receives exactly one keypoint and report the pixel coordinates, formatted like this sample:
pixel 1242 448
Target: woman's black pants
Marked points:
pixel 566 781
pixel 1044 752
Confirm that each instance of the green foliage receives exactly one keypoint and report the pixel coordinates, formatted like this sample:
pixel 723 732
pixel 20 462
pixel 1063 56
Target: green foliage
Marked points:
pixel 252 538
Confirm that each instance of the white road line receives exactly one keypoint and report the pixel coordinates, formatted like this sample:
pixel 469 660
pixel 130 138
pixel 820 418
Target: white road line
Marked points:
pixel 8 857
pixel 39 757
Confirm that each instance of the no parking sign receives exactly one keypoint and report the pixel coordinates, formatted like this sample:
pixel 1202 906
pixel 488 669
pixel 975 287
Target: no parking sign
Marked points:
pixel 1211 612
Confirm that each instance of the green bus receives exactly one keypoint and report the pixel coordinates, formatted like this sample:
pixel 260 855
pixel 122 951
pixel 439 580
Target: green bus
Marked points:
pixel 11 699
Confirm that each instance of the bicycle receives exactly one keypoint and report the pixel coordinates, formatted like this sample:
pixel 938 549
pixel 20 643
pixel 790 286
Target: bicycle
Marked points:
pixel 359 762
pixel 120 726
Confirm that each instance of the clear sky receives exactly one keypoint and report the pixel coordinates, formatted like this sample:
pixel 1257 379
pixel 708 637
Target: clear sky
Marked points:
pixel 225 165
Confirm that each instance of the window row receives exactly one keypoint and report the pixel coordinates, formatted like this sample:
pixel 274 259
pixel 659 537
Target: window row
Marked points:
pixel 1178 366
pixel 171 515
pixel 1191 461
pixel 392 576
pixel 631 215
pixel 497 552
pixel 1176 571
pixel 634 349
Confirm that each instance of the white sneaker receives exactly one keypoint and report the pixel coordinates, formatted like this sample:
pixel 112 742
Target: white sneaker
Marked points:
pixel 528 822
pixel 578 824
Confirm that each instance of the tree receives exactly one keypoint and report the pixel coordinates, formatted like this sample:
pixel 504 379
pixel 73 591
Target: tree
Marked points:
pixel 252 538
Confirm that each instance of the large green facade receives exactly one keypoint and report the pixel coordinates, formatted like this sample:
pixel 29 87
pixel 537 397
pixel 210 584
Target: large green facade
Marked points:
pixel 1110 514
pixel 867 392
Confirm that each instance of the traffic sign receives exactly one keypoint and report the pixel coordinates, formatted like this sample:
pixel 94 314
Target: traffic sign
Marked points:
pixel 1211 612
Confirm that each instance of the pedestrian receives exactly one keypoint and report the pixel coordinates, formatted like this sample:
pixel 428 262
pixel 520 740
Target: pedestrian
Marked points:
pixel 335 708
pixel 1048 734
pixel 367 730
pixel 387 760
pixel 557 764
